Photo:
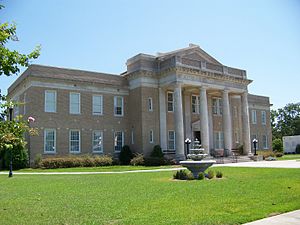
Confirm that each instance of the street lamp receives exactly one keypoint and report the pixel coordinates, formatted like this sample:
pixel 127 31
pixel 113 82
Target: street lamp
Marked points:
pixel 255 141
pixel 10 110
pixel 187 142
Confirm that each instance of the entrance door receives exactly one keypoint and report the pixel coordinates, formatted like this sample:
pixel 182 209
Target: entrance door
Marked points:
pixel 197 135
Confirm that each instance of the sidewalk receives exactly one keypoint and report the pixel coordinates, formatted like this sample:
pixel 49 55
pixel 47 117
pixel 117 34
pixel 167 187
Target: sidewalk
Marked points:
pixel 289 218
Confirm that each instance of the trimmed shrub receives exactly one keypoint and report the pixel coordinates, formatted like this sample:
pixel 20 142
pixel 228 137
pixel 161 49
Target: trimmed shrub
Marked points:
pixel 201 176
pixel 190 176
pixel 298 149
pixel 210 174
pixel 125 155
pixel 180 175
pixel 37 160
pixel 277 145
pixel 19 157
pixel 71 161
pixel 138 160
pixel 154 161
pixel 278 154
pixel 219 174
pixel 157 152
pixel 266 154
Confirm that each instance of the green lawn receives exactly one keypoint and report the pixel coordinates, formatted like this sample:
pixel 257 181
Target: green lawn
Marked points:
pixel 289 157
pixel 243 195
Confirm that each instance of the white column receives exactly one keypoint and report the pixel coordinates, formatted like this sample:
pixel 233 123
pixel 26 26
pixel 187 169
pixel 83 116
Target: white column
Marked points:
pixel 210 121
pixel 162 119
pixel 227 129
pixel 204 120
pixel 187 115
pixel 246 125
pixel 178 120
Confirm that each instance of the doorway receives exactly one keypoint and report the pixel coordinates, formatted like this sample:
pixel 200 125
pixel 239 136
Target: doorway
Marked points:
pixel 197 135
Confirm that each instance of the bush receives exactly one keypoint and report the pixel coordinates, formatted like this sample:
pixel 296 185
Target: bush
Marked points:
pixel 138 160
pixel 210 174
pixel 201 176
pixel 298 149
pixel 154 161
pixel 241 149
pixel 71 161
pixel 266 154
pixel 157 152
pixel 277 145
pixel 19 157
pixel 219 174
pixel 180 175
pixel 278 154
pixel 190 176
pixel 37 160
pixel 125 155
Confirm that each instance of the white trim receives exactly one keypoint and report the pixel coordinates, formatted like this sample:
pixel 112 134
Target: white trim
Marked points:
pixel 150 104
pixel 197 104
pixel 265 146
pixel 101 105
pixel 219 107
pixel 172 149
pixel 79 103
pixel 116 140
pixel 132 137
pixel 151 136
pixel 172 93
pixel 45 101
pixel 74 152
pixel 101 134
pixel 253 117
pixel 115 105
pixel 46 130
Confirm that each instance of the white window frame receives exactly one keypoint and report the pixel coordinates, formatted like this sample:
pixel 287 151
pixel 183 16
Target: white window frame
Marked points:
pixel 150 104
pixel 115 105
pixel 171 140
pixel 115 141
pixel 218 140
pixel 79 141
pixel 265 142
pixel 195 105
pixel 151 136
pixel 45 140
pixel 100 142
pixel 170 101
pixel 47 104
pixel 263 117
pixel 217 106
pixel 95 106
pixel 79 103
pixel 253 116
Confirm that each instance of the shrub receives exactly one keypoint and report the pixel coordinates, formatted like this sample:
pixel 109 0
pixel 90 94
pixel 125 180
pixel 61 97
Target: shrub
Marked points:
pixel 210 174
pixel 219 174
pixel 71 161
pixel 157 152
pixel 125 155
pixel 19 157
pixel 298 149
pixel 201 176
pixel 37 160
pixel 241 149
pixel 266 154
pixel 190 176
pixel 154 161
pixel 278 154
pixel 277 145
pixel 138 160
pixel 180 175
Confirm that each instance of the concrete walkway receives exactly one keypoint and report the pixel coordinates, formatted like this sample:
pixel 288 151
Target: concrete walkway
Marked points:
pixel 289 218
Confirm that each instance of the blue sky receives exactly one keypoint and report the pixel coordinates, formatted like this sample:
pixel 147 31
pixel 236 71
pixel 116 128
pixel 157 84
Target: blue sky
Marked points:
pixel 262 37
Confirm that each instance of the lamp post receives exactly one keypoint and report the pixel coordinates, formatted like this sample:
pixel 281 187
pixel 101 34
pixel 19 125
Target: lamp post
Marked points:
pixel 10 110
pixel 187 142
pixel 255 145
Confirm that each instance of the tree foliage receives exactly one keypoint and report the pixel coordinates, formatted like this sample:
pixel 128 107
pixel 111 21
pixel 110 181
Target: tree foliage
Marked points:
pixel 11 60
pixel 286 121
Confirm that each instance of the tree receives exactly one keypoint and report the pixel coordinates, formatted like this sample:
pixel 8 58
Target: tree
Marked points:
pixel 286 121
pixel 10 61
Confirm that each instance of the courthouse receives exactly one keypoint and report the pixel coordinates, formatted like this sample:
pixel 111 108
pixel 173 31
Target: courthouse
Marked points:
pixel 160 100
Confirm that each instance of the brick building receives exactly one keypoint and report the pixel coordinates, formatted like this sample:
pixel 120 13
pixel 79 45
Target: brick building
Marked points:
pixel 160 99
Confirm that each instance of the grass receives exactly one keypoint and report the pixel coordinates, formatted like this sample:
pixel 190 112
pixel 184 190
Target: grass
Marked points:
pixel 289 157
pixel 243 195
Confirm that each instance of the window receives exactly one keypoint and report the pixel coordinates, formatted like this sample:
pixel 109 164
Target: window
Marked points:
pixel 150 104
pixel 151 136
pixel 253 116
pixel 237 138
pixel 119 141
pixel 118 105
pixel 217 106
pixel 74 141
pixel 49 141
pixel 171 140
pixel 97 104
pixel 132 137
pixel 170 102
pixel 74 103
pixel 195 104
pixel 97 141
pixel 50 101
pixel 265 141
pixel 263 118
pixel 218 140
